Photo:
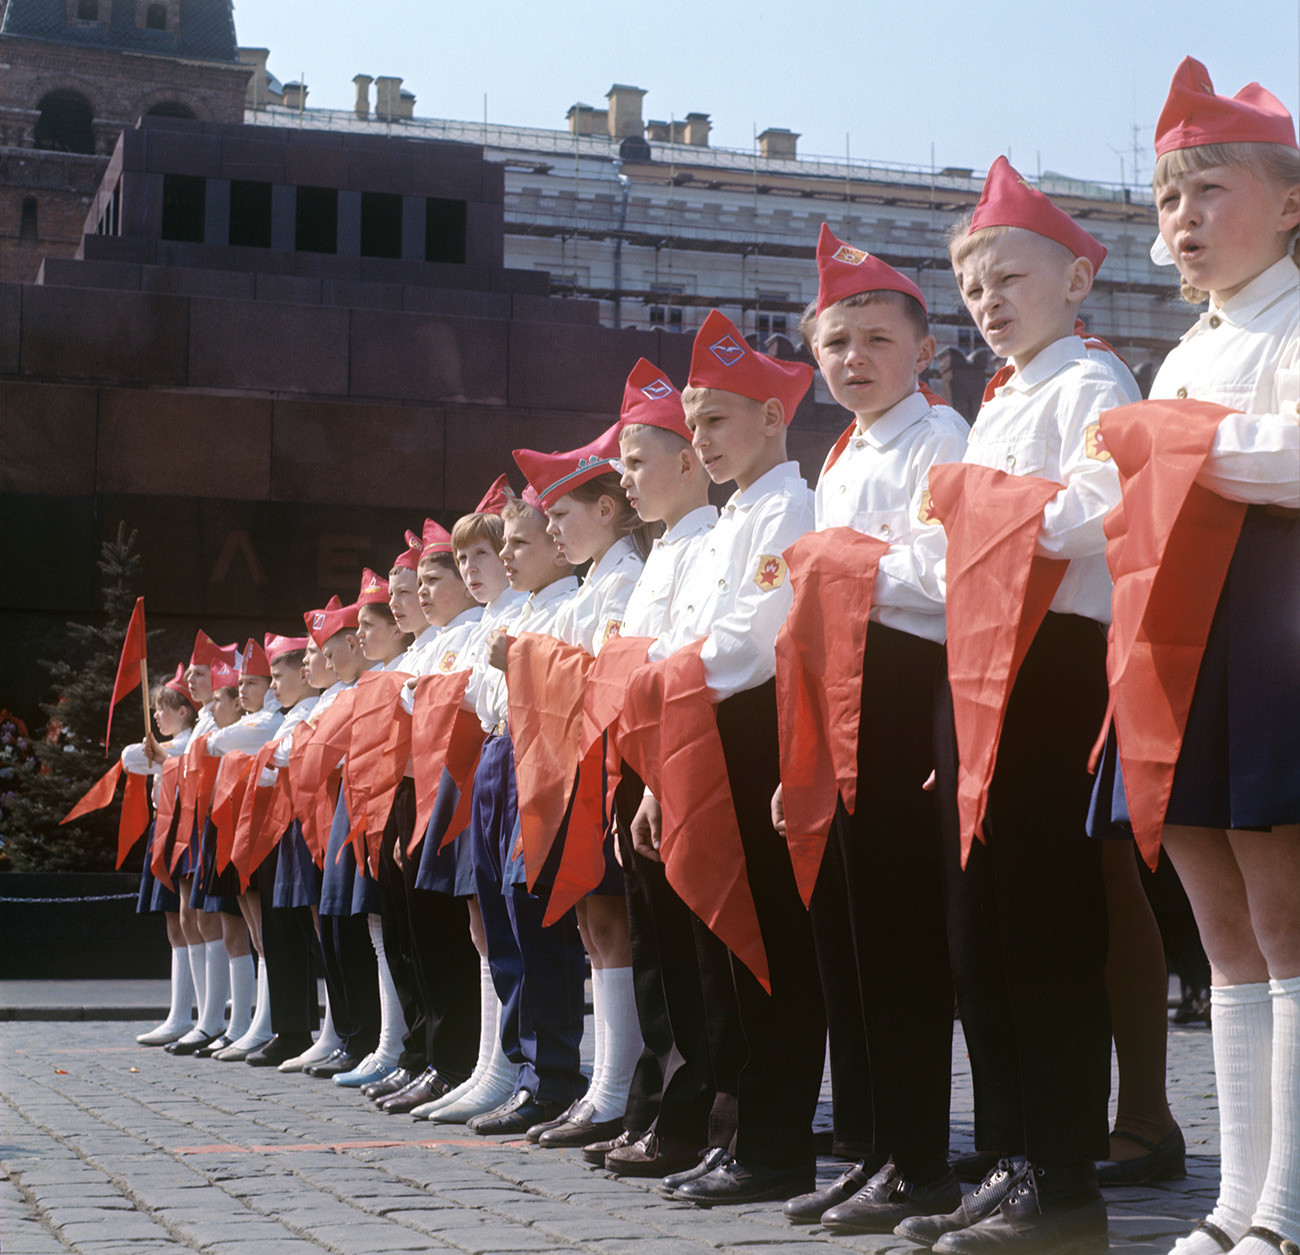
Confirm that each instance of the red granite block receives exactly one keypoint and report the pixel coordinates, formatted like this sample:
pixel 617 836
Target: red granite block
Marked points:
pixel 485 234
pixel 294 289
pixel 451 177
pixel 47 432
pixel 260 157
pixel 233 285
pixel 574 368
pixel 11 313
pixel 361 295
pixel 312 166
pixel 386 170
pixel 421 357
pixel 65 272
pixel 451 301
pixel 181 152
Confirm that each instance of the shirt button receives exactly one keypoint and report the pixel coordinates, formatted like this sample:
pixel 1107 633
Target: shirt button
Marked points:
pixel 1181 394
pixel 690 609
pixel 1011 461
pixel 843 489
pixel 722 584
pixel 884 529
pixel 858 443
pixel 1215 320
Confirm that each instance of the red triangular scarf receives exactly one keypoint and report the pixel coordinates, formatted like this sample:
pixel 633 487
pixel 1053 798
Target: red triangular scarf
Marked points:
pixel 670 736
pixel 227 800
pixel 128 666
pixel 440 732
pixel 314 770
pixel 198 777
pixel 819 686
pixel 376 760
pixel 546 681
pixel 169 783
pixel 1170 543
pixel 135 814
pixel 265 813
pixel 998 593
pixel 95 798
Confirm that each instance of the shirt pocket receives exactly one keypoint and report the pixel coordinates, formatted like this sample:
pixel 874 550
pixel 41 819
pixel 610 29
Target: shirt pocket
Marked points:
pixel 1015 456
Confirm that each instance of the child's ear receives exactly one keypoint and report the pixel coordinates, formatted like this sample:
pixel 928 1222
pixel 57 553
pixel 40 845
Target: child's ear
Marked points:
pixel 773 417
pixel 1080 276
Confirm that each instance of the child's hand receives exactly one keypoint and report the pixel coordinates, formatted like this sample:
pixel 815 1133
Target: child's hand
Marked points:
pixel 498 647
pixel 928 786
pixel 778 811
pixel 646 828
pixel 152 750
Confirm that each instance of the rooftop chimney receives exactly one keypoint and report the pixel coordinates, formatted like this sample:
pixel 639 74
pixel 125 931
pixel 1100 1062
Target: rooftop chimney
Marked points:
pixel 363 82
pixel 585 120
pixel 625 111
pixel 697 129
pixel 255 95
pixel 776 141
pixel 405 104
pixel 294 96
pixel 388 97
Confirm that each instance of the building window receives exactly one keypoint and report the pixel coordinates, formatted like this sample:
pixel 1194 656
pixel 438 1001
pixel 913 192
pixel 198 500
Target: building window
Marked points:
pixel 170 109
pixel 317 224
pixel 66 123
pixel 445 230
pixel 381 224
pixel 155 17
pixel 250 214
pixel 183 208
pixel 88 10
pixel 666 314
pixel 769 322
pixel 27 227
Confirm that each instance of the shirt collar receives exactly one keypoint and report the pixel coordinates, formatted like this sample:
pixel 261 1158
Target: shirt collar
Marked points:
pixel 766 483
pixel 689 524
pixel 1054 357
pixel 472 615
pixel 895 420
pixel 565 586
pixel 506 598
pixel 620 549
pixel 1265 289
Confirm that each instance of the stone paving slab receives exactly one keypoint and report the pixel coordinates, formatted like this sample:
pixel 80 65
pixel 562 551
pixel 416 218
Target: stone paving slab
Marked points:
pixel 108 1147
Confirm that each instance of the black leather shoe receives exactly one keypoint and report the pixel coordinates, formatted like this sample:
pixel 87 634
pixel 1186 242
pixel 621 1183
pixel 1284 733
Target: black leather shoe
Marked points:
pixel 714 1156
pixel 1056 1210
pixel 1165 1160
pixel 424 1088
pixel 578 1128
pixel 736 1182
pixel 541 1126
pixel 516 1115
pixel 333 1064
pixel 183 1047
pixel 982 1201
pixel 888 1199
pixel 808 1208
pixel 594 1152
pixel 217 1043
pixel 281 1047
pixel 651 1156
pixel 389 1083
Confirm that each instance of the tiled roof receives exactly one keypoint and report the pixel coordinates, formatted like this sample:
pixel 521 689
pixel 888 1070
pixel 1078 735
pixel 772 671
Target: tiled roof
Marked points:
pixel 206 31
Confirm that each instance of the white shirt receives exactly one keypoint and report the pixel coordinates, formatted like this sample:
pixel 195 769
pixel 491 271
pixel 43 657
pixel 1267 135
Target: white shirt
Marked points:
pixel 596 611
pixel 437 651
pixel 134 760
pixel 205 721
pixel 249 732
pixel 1044 421
pixel 879 485
pixel 298 713
pixel 501 612
pixel 647 609
pixel 734 591
pixel 1245 354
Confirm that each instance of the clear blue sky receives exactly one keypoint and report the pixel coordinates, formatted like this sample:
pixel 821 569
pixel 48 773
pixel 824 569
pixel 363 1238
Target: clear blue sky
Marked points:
pixel 1058 85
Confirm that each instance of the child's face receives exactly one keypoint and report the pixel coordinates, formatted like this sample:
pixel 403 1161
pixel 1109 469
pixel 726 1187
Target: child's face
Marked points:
pixel 380 638
pixel 870 356
pixel 168 719
pixel 404 601
pixel 728 433
pixel 442 593
pixel 288 682
pixel 252 689
pixel 225 707
pixel 199 678
pixel 529 555
pixel 1225 225
pixel 343 654
pixel 482 570
pixel 581 529
pixel 1023 291
pixel 315 668
pixel 656 471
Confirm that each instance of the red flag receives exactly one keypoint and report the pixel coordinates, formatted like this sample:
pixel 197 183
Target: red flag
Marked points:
pixel 819 686
pixel 159 862
pixel 128 668
pixel 670 736
pixel 376 760
pixel 998 593
pixel 99 795
pixel 1169 545
pixel 135 814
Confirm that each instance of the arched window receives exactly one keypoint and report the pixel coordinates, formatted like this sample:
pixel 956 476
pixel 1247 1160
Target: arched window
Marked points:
pixel 155 17
pixel 170 109
pixel 27 229
pixel 65 124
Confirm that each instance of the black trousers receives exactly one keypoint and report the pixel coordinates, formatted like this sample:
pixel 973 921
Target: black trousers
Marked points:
pixel 782 1034
pixel 352 979
pixel 1027 916
pixel 672 1087
pixel 291 953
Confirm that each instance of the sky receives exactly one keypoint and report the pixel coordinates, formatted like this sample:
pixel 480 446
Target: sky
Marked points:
pixel 1056 86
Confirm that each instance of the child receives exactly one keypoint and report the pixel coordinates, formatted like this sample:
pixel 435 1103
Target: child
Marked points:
pixel 1030 904
pixel 1227 188
pixel 671 1091
pixel 734 595
pixel 871 338
pixel 174 712
pixel 591 520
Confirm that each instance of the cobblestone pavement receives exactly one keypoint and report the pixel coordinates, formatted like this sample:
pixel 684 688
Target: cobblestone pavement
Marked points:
pixel 107 1146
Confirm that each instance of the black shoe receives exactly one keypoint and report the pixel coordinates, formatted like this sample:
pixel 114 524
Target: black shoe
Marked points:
pixel 972 1169
pixel 217 1043
pixel 426 1087
pixel 888 1199
pixel 333 1064
pixel 183 1047
pixel 808 1208
pixel 712 1158
pixel 281 1047
pixel 1054 1210
pixel 982 1201
pixel 389 1083
pixel 736 1182
pixel 1165 1160
pixel 517 1114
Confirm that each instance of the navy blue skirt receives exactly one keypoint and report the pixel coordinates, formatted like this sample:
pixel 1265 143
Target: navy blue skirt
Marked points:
pixel 345 888
pixel 154 896
pixel 449 871
pixel 1240 761
pixel 297 878
pixel 211 892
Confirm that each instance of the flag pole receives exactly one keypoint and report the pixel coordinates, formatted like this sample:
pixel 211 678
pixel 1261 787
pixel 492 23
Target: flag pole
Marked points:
pixel 149 742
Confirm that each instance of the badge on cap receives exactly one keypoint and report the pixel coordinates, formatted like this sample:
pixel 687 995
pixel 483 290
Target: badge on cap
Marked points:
pixel 849 255
pixel 658 390
pixel 771 572
pixel 727 351
pixel 318 621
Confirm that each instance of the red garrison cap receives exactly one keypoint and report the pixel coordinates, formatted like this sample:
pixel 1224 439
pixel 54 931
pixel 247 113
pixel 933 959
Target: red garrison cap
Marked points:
pixel 374 589
pixel 177 684
pixel 494 500
pixel 649 398
pixel 844 271
pixel 206 651
pixel 255 660
pixel 721 359
pixel 277 645
pixel 409 558
pixel 224 675
pixel 551 475
pixel 1194 116
pixel 435 539
pixel 335 617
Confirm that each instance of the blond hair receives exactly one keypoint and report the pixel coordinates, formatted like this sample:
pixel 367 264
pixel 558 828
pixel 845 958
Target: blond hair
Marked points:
pixel 1275 164
pixel 471 528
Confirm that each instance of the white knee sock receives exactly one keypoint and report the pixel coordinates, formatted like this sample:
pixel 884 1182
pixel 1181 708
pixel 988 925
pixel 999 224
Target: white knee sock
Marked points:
pixel 243 981
pixel 598 1034
pixel 179 1019
pixel 493 1078
pixel 1242 1023
pixel 1278 1208
pixel 392 1019
pixel 195 957
pixel 259 1030
pixel 622 1043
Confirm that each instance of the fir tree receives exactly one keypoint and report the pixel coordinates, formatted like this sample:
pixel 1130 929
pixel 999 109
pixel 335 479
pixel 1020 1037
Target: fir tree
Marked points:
pixel 72 755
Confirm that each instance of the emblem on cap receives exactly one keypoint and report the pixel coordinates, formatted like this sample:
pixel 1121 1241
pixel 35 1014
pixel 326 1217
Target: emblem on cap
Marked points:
pixel 318 621
pixel 850 255
pixel 727 351
pixel 657 390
